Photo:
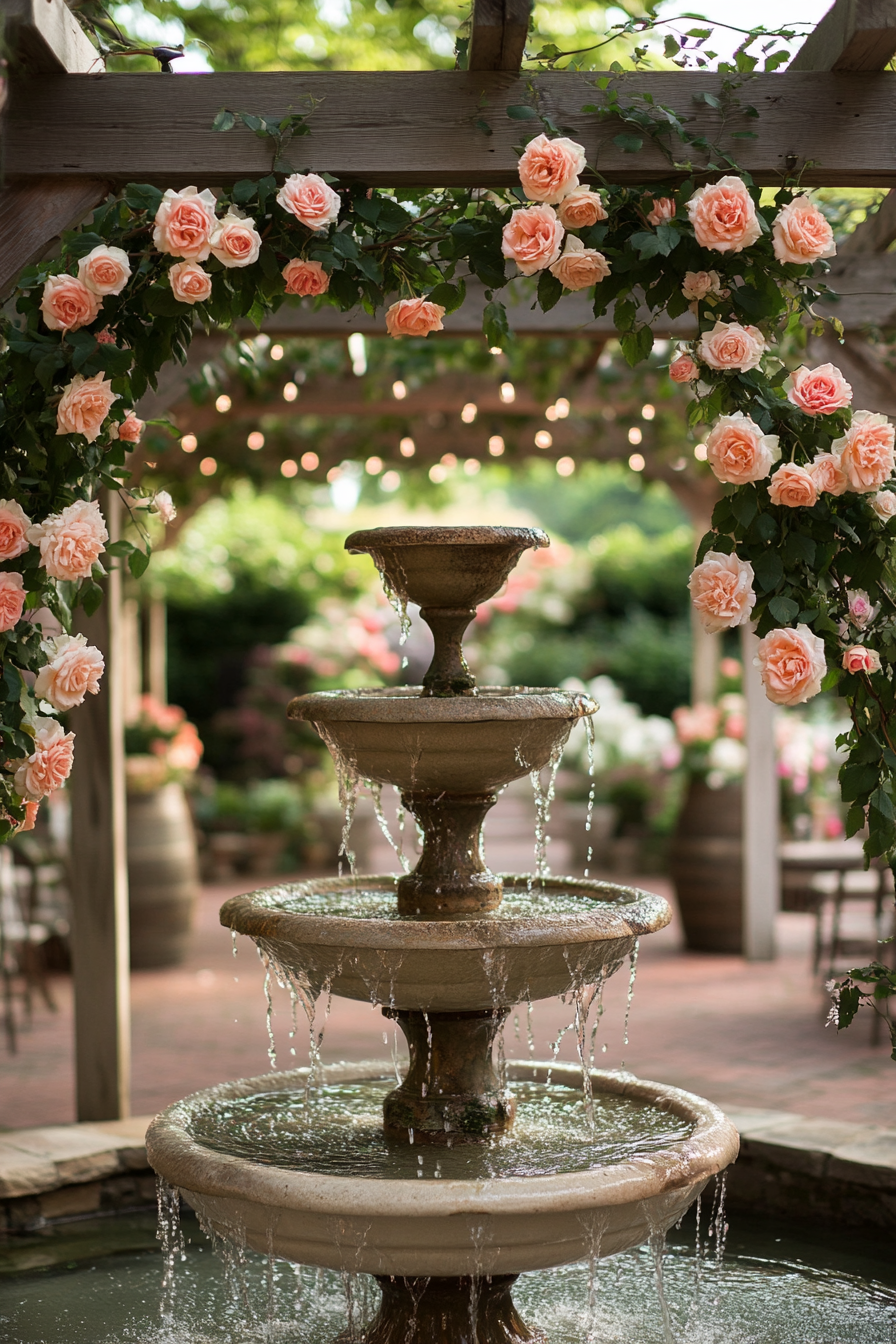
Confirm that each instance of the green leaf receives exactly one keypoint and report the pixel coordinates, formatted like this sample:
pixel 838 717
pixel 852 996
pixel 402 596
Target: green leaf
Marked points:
pixel 138 562
pixel 636 345
pixel 550 291
pixel 628 142
pixel 141 196
pixel 521 112
pixel 784 609
pixel 769 570
pixel 225 120
pixel 243 190
pixel 848 1001
pixel 858 781
pixel 91 596
pixel 743 506
pixel 449 296
pixel 624 315
pixel 494 323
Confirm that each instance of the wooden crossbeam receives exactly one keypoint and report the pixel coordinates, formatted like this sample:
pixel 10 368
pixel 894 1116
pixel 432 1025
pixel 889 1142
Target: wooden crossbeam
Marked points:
pixel 498 34
pixel 418 128
pixel 34 213
pixel 46 38
pixel 853 35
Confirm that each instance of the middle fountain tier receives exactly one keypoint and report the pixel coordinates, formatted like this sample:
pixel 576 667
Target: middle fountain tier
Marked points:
pixel 446 951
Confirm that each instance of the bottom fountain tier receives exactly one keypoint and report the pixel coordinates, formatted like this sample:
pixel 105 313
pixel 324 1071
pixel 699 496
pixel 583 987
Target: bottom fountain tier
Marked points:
pixel 390 1216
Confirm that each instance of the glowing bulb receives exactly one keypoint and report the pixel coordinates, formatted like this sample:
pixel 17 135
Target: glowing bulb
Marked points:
pixel 648 411
pixel 565 466
pixel 289 468
pixel 399 390
pixel 373 466
pixel 562 406
pixel 310 461
pixel 472 466
pixel 276 352
pixel 255 440
pixel 469 413
pixel 407 448
pixel 390 481
pixel 634 434
pixel 189 443
pixel 495 350
pixel 496 445
pixel 636 462
pixel 208 466
pixel 223 403
pixel 290 391
pixel 551 414
pixel 700 452
pixel 357 350
pixel 438 473
pixel 508 392
pixel 543 439
pixel 449 461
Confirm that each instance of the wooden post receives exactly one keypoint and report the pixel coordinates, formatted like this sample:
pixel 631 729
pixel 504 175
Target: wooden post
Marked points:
pixel 704 663
pixel 99 872
pixel 761 871
pixel 157 649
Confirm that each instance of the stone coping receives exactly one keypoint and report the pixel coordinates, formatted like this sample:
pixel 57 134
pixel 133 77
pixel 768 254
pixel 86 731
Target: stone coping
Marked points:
pixel 34 1161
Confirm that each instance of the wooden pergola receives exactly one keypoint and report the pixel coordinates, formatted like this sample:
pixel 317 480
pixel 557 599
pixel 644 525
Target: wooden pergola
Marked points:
pixel 73 132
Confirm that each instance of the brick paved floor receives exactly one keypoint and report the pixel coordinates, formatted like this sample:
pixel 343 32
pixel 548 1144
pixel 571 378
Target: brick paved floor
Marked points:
pixel 740 1034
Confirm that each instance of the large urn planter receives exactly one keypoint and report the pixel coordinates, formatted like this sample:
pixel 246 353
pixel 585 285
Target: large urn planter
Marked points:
pixel 705 861
pixel 163 876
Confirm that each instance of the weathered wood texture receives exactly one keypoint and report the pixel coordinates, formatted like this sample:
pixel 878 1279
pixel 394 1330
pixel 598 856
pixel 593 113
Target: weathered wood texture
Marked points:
pixel 33 214
pixel 498 34
pixel 874 234
pixel 853 35
pixel 761 870
pixel 99 872
pixel 45 37
pixel 418 128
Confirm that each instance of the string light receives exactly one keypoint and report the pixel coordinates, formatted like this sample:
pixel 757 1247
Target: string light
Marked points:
pixel 472 466
pixel 407 448
pixel 189 443
pixel 635 435
pixel 700 452
pixel 636 462
pixel 223 403
pixel 255 441
pixel 399 390
pixel 357 349
pixel 208 466
pixel 289 468
pixel 565 466
pixel 543 439
pixel 333 474
pixel 495 350
pixel 276 352
pixel 290 391
pixel 648 411
pixel 679 464
pixel 496 445
pixel 551 414
pixel 373 466
pixel 449 461
pixel 561 405
pixel 310 461
pixel 508 392
pixel 469 413
pixel 438 473
pixel 390 481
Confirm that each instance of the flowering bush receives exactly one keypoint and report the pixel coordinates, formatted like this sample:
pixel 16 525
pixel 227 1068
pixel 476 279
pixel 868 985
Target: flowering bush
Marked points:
pixel 162 746
pixel 347 642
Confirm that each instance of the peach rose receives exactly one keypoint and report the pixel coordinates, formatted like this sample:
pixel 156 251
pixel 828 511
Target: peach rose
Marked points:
pixel 184 223
pixel 235 240
pixel 84 405
pixel 105 270
pixel 130 430
pixel 861 610
pixel 683 369
pixel 68 304
pixel 105 337
pixel 580 209
pixel 859 659
pixel 791 664
pixel 884 505
pixel 533 238
pixel 722 591
pixel 163 505
pixel 14 524
pixel 801 234
pixel 697 284
pixel 828 474
pixel 549 169
pixel 73 670
pixel 793 487
pixel 819 391
pixel 12 599
pixel 189 282
pixel 305 278
pixel 310 199
pixel 414 317
pixel 49 765
pixel 724 216
pixel 695 723
pixel 71 541
pixel 579 267
pixel 731 346
pixel 866 451
pixel 31 811
pixel 663 210
pixel 738 451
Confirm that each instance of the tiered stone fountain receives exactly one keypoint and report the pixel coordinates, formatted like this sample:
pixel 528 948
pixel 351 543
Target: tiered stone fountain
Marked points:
pixel 446 950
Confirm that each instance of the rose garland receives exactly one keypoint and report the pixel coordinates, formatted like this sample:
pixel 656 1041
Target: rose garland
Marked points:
pixel 798 550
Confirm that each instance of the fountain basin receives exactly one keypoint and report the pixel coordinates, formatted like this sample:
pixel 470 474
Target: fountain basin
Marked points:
pixel 443 1227
pixel 446 965
pixel 457 745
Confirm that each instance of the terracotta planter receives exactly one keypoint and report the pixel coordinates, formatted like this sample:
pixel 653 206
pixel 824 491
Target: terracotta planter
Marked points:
pixel 163 876
pixel 705 861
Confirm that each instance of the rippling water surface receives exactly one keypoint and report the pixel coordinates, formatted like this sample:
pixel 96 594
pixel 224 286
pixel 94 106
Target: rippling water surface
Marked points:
pixel 521 901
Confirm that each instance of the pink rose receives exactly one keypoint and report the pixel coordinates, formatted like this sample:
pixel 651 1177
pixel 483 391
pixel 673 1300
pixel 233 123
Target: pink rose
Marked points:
pixel 549 169
pixel 580 209
pixel 579 267
pixel 31 811
pixel 663 210
pixel 130 430
pixel 73 670
pixel 696 723
pixel 12 599
pixel 305 278
pixel 884 505
pixel 791 665
pixel 731 346
pixel 533 238
pixel 859 659
pixel 235 240
pixel 697 284
pixel 793 487
pixel 184 223
pixel 189 282
pixel 866 451
pixel 71 541
pixel 105 337
pixel 49 765
pixel 819 391
pixel 68 304
pixel 310 199
pixel 414 317
pixel 683 369
pixel 722 591
pixel 861 610
pixel 14 524
pixel 105 270
pixel 84 405
pixel 738 451
pixel 828 474
pixel 724 216
pixel 163 505
pixel 801 234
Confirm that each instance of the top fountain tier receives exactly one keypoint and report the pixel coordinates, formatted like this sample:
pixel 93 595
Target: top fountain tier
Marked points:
pixel 447 572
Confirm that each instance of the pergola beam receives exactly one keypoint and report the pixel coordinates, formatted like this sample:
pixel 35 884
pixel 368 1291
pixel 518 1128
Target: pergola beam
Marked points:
pixel 419 128
pixel 46 38
pixel 854 35
pixel 498 34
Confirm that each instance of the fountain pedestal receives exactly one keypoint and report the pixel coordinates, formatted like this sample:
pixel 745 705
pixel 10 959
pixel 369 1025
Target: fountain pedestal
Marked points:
pixel 451 876
pixel 448 1311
